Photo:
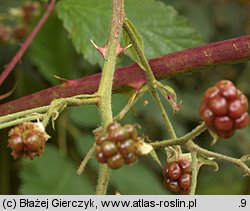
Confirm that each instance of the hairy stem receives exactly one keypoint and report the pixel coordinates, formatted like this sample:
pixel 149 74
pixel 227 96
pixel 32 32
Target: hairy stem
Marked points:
pixel 237 162
pixel 182 140
pixel 224 52
pixel 22 50
pixel 46 112
pixel 149 73
pixel 105 87
pixel 194 172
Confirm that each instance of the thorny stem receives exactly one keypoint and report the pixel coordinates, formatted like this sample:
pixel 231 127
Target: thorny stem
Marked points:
pixel 150 76
pixel 182 140
pixel 194 172
pixel 237 162
pixel 105 87
pixel 26 44
pixel 223 52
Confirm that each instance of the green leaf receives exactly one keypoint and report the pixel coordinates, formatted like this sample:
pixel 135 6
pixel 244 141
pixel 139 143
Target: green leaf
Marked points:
pixel 53 53
pixel 85 116
pixel 52 173
pixel 86 20
pixel 163 31
pixel 137 179
pixel 128 41
pixel 161 28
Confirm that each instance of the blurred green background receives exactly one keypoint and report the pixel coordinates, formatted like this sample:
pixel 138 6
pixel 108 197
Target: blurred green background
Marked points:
pixel 52 53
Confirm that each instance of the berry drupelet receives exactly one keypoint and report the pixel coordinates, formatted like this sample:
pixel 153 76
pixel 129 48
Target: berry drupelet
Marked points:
pixel 27 140
pixel 224 109
pixel 117 145
pixel 177 176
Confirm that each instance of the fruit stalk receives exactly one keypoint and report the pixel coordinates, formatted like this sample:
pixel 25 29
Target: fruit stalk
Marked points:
pixel 181 140
pixel 217 156
pixel 223 52
pixel 194 172
pixel 128 27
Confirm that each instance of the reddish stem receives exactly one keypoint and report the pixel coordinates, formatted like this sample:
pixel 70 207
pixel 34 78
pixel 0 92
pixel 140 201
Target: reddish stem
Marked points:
pixel 22 50
pixel 228 51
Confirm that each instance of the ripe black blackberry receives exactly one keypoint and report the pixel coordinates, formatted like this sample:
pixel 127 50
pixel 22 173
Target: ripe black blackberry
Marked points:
pixel 177 176
pixel 117 145
pixel 224 109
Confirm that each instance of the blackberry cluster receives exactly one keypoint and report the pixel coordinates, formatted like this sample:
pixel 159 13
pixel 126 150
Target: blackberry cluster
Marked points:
pixel 23 17
pixel 117 145
pixel 224 109
pixel 177 176
pixel 27 140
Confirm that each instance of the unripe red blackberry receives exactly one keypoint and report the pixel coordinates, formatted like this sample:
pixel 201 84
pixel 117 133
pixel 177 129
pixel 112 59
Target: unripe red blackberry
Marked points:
pixel 235 109
pixel 101 157
pixel 177 176
pixel 223 123
pixel 185 166
pixel 112 126
pixel 172 185
pixel 173 171
pixel 127 146
pixel 100 138
pixel 119 134
pixel 185 181
pixel 117 145
pixel 115 161
pixel 108 148
pixel 131 130
pixel 130 158
pixel 218 105
pixel 16 143
pixel 224 109
pixel 27 140
pixel 242 121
